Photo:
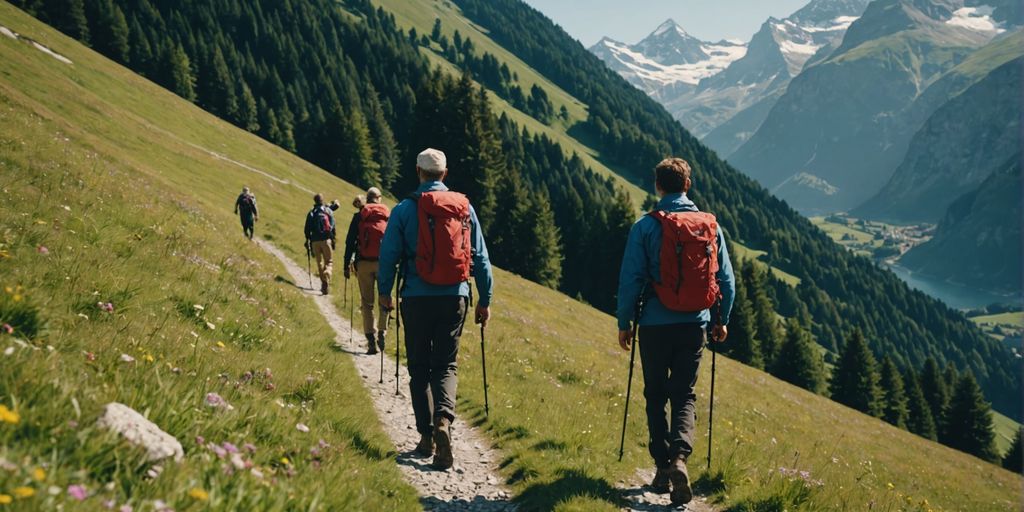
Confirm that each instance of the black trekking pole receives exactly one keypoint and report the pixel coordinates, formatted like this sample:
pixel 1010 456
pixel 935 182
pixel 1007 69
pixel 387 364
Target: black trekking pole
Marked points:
pixel 483 361
pixel 309 267
pixel 351 316
pixel 386 329
pixel 398 333
pixel 711 399
pixel 629 382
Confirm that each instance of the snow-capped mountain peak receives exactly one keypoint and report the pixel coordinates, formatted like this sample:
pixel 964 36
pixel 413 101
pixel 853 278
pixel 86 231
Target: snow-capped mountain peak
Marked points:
pixel 669 26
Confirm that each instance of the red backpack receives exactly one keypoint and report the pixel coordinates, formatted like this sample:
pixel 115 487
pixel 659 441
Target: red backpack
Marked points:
pixel 373 220
pixel 689 260
pixel 443 248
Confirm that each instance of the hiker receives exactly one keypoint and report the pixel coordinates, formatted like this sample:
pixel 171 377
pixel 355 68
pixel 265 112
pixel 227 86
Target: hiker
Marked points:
pixel 319 232
pixel 245 208
pixel 677 260
pixel 434 238
pixel 362 249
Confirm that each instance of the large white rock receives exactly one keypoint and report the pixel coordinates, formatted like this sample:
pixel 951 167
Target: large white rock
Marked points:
pixel 137 430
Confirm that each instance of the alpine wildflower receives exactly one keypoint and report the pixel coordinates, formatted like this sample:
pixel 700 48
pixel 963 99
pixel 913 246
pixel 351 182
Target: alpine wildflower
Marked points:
pixel 7 329
pixel 5 499
pixel 39 474
pixel 78 492
pixel 23 492
pixel 198 494
pixel 9 416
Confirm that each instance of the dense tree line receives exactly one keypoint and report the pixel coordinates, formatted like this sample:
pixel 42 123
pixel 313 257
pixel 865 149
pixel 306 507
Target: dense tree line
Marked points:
pixel 353 95
pixel 839 291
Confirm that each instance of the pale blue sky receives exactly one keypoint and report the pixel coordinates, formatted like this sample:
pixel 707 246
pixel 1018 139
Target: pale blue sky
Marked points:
pixel 631 20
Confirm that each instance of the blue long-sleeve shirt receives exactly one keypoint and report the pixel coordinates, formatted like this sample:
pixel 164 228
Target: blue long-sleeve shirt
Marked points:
pixel 399 245
pixel 641 265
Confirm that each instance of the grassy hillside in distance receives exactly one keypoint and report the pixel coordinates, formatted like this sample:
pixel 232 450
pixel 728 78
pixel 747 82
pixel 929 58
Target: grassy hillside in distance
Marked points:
pixel 421 16
pixel 105 171
pixel 546 352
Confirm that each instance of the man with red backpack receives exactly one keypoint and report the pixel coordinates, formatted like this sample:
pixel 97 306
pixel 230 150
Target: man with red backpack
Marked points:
pixel 677 267
pixel 319 233
pixel 362 249
pixel 245 207
pixel 434 238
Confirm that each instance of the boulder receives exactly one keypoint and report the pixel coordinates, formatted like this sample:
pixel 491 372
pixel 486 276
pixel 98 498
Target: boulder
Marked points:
pixel 139 431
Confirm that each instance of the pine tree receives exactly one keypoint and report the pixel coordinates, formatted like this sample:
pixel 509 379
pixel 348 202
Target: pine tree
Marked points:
pixel 743 344
pixel 919 412
pixel 216 93
pixel 894 401
pixel 855 378
pixel 435 33
pixel 766 321
pixel 355 155
pixel 799 361
pixel 181 80
pixel 544 252
pixel 1014 459
pixel 248 114
pixel 968 425
pixel 108 30
pixel 936 392
pixel 69 17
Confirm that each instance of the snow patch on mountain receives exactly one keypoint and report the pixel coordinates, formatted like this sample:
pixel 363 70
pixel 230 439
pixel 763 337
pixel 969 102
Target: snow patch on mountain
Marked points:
pixel 646 69
pixel 978 19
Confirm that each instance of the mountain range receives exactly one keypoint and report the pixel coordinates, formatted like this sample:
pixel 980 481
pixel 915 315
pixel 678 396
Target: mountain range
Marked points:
pixel 902 107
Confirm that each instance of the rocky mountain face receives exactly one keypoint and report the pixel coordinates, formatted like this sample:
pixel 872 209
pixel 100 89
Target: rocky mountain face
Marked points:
pixel 978 241
pixel 959 146
pixel 841 128
pixel 741 77
pixel 669 61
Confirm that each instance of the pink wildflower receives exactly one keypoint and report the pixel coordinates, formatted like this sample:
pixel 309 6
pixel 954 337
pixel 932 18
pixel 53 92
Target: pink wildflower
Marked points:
pixel 230 448
pixel 200 440
pixel 43 250
pixel 217 402
pixel 249 447
pixel 125 508
pixel 89 356
pixel 301 427
pixel 78 492
pixel 7 329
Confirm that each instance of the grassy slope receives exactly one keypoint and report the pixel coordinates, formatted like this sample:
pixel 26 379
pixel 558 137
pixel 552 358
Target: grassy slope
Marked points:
pixel 556 375
pixel 149 227
pixel 421 15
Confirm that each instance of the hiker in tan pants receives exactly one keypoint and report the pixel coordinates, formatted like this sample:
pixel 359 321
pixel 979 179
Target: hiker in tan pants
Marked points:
pixel 319 233
pixel 362 248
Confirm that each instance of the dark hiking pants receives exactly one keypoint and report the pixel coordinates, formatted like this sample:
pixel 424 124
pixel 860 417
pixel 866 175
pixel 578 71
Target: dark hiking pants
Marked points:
pixel 670 355
pixel 248 224
pixel 432 329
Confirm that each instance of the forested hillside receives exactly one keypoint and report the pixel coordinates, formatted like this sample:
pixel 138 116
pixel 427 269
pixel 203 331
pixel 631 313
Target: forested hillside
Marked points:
pixel 349 90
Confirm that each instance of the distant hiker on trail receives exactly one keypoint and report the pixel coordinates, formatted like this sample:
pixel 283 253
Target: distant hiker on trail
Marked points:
pixel 245 207
pixel 435 239
pixel 676 257
pixel 362 250
pixel 319 232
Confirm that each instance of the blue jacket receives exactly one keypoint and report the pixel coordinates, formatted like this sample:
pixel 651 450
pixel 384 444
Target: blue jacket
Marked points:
pixel 399 245
pixel 641 265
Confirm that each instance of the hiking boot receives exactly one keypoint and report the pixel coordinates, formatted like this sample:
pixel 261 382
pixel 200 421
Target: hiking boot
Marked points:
pixel 677 474
pixel 443 459
pixel 323 287
pixel 371 345
pixel 659 485
pixel 425 446
pixel 380 339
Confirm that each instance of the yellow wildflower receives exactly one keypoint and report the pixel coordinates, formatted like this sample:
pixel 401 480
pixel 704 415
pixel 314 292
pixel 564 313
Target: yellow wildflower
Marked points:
pixel 16 297
pixel 39 474
pixel 199 494
pixel 285 461
pixel 24 492
pixel 148 358
pixel 8 289
pixel 5 499
pixel 9 416
pixel 220 344
pixel 890 486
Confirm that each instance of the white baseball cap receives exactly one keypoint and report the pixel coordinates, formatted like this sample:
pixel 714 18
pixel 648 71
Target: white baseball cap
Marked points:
pixel 432 160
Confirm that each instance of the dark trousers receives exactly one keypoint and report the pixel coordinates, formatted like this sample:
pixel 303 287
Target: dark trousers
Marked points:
pixel 433 326
pixel 670 355
pixel 248 225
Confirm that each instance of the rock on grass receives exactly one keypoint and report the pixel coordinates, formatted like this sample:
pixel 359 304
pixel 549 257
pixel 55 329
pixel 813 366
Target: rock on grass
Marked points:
pixel 139 431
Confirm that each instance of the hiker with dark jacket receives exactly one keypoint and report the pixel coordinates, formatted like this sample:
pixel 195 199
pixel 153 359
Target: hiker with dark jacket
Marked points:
pixel 434 239
pixel 362 250
pixel 245 207
pixel 677 262
pixel 319 233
